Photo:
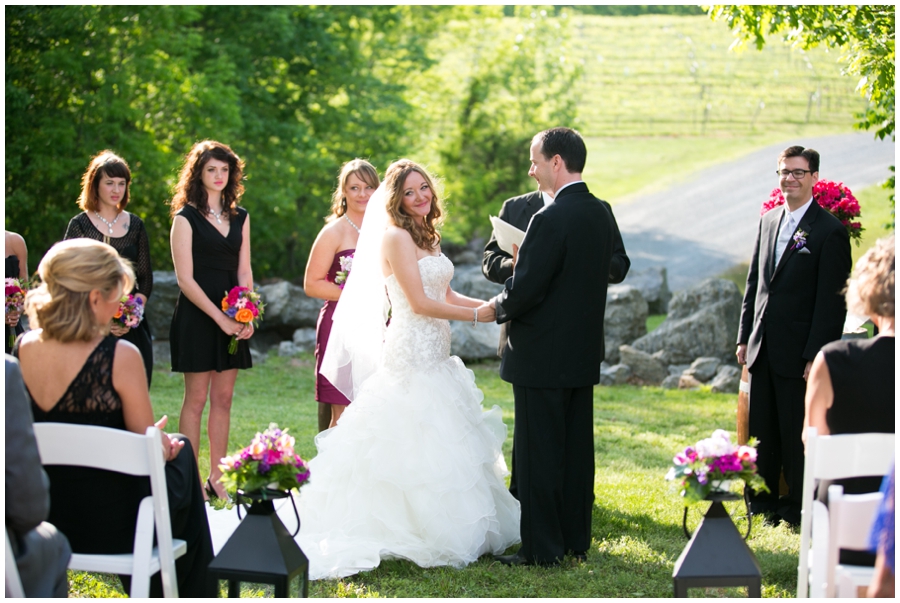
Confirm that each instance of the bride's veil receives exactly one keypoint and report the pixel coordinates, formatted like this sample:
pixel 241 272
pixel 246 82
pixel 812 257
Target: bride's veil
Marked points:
pixel 353 351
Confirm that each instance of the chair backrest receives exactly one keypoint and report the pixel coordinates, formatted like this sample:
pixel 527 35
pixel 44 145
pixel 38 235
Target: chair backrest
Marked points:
pixel 120 451
pixel 850 519
pixel 14 587
pixel 837 457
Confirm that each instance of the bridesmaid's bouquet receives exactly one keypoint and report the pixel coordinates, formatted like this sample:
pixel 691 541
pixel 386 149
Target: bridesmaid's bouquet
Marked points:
pixel 340 279
pixel 245 306
pixel 15 301
pixel 269 462
pixel 131 311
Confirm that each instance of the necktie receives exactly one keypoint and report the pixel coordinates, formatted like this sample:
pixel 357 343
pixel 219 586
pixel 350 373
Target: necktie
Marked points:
pixel 784 236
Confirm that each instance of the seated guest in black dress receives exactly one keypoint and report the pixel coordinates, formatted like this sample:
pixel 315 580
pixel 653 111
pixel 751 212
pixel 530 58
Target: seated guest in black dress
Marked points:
pixel 105 192
pixel 75 372
pixel 851 383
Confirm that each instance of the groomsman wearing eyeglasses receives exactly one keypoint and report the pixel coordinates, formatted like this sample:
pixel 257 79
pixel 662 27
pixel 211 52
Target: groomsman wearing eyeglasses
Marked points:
pixel 792 307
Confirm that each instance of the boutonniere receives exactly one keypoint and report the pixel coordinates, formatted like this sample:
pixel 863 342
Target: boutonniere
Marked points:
pixel 799 239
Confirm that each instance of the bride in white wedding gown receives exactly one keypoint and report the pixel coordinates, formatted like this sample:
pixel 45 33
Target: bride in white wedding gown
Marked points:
pixel 414 468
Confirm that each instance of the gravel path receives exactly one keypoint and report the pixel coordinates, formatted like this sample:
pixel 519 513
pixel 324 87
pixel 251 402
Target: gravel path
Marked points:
pixel 703 227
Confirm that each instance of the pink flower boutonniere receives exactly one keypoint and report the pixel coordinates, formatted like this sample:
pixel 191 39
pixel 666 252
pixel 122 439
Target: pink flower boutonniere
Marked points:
pixel 799 239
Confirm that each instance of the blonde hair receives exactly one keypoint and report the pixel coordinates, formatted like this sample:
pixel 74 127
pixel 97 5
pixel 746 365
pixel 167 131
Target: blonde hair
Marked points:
pixel 425 236
pixel 70 271
pixel 359 167
pixel 870 289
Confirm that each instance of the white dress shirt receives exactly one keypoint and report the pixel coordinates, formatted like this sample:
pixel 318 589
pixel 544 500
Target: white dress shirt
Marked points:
pixel 789 222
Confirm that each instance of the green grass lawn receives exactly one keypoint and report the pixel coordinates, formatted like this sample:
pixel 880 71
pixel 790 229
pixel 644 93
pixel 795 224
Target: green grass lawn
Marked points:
pixel 636 527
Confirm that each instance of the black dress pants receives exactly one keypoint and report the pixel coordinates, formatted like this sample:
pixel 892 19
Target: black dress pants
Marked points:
pixel 776 420
pixel 554 461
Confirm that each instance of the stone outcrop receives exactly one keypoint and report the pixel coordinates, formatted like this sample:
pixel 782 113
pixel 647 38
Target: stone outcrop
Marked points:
pixel 645 367
pixel 468 280
pixel 727 380
pixel 653 285
pixel 288 308
pixel 161 304
pixel 625 319
pixel 703 369
pixel 474 342
pixel 702 321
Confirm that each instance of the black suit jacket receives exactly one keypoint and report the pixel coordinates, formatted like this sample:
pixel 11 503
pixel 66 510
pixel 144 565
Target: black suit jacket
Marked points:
pixel 798 305
pixel 556 298
pixel 497 265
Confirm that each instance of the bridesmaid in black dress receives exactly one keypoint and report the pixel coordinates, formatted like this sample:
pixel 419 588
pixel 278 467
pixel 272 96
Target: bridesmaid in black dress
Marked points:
pixel 76 372
pixel 210 242
pixel 356 183
pixel 16 267
pixel 105 192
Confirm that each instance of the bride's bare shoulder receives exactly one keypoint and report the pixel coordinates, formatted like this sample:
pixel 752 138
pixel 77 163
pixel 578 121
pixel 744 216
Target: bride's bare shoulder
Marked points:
pixel 394 235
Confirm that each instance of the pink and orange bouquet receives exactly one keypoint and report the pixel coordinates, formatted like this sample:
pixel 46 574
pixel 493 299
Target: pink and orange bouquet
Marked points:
pixel 269 462
pixel 831 196
pixel 131 311
pixel 245 306
pixel 15 301
pixel 713 462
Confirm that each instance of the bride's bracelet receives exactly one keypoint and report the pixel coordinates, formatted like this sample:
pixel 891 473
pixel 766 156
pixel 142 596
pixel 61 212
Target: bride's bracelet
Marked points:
pixel 475 318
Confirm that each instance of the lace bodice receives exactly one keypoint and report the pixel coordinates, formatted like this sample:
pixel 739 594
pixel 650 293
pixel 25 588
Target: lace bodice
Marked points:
pixel 412 341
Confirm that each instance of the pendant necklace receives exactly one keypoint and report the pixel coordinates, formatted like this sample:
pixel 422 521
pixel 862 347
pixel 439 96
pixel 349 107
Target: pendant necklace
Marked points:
pixel 109 225
pixel 355 227
pixel 217 216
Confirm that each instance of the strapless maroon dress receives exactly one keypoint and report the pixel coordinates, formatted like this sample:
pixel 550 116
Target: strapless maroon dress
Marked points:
pixel 325 391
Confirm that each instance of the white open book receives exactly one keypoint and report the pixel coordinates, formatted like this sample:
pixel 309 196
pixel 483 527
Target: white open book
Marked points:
pixel 506 234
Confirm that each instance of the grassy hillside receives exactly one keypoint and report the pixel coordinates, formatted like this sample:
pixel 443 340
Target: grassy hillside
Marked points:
pixel 662 75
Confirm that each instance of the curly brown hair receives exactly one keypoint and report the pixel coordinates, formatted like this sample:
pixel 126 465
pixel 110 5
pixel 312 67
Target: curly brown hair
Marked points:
pixel 190 182
pixel 108 164
pixel 426 235
pixel 364 170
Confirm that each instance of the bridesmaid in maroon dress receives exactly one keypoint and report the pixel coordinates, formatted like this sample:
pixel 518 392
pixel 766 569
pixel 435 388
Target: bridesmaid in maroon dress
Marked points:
pixel 336 241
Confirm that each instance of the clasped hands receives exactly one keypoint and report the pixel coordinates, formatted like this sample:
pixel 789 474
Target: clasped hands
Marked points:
pixel 171 445
pixel 12 318
pixel 239 330
pixel 487 312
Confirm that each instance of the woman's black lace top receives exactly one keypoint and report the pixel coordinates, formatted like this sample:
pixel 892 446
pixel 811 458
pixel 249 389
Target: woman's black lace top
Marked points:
pixel 90 398
pixel 134 246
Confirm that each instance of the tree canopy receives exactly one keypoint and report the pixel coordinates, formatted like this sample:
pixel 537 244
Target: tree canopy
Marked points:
pixel 295 90
pixel 864 33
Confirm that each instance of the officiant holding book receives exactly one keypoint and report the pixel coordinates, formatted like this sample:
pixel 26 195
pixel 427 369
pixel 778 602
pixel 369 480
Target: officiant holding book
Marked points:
pixel 554 304
pixel 497 264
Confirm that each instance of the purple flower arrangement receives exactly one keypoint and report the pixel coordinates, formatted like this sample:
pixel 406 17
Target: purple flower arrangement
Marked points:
pixel 269 462
pixel 704 467
pixel 131 311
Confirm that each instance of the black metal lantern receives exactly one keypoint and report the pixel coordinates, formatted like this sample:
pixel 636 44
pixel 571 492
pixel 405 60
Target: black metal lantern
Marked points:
pixel 717 555
pixel 261 550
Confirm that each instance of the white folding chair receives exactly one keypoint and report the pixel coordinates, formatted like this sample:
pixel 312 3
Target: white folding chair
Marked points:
pixel 132 454
pixel 14 587
pixel 832 457
pixel 851 519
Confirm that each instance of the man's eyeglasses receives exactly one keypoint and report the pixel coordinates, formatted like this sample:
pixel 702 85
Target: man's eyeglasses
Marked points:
pixel 797 174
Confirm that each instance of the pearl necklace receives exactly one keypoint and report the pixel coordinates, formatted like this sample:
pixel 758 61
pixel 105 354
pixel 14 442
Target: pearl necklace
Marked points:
pixel 355 227
pixel 217 216
pixel 109 225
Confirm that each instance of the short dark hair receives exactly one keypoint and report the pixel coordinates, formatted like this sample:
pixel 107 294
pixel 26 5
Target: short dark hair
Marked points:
pixel 104 164
pixel 811 156
pixel 565 142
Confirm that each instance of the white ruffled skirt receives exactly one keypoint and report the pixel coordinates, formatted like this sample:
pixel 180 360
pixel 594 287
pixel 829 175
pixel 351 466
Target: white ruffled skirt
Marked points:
pixel 414 470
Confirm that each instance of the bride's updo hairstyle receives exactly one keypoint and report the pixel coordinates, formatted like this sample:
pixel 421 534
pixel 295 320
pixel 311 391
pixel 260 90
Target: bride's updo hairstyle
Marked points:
pixel 190 182
pixel 425 236
pixel 363 170
pixel 69 272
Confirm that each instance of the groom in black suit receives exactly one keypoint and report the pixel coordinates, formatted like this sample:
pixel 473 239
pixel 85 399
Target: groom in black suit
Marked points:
pixel 792 307
pixel 554 303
